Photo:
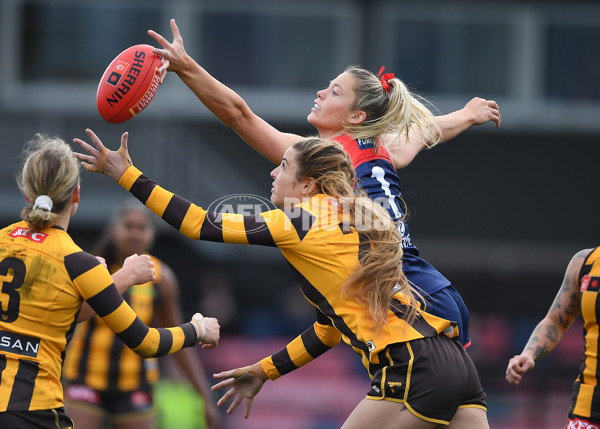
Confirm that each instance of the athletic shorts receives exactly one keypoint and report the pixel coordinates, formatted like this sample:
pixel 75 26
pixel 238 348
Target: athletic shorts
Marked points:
pixel 115 403
pixel 54 418
pixel 433 377
pixel 448 304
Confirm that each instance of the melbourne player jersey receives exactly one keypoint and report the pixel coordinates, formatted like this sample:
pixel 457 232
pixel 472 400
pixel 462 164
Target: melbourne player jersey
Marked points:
pixel 97 358
pixel 44 277
pixel 586 395
pixel 376 175
pixel 321 252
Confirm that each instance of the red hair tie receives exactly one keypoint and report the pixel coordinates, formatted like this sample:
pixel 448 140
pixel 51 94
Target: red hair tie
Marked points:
pixel 384 79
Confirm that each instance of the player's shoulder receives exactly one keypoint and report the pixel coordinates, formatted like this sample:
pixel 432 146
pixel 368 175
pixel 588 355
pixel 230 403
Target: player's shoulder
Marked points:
pixel 589 254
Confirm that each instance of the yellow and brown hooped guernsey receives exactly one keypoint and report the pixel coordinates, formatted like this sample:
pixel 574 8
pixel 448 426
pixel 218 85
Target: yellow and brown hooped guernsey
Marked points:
pixel 44 277
pixel 321 252
pixel 585 400
pixel 97 357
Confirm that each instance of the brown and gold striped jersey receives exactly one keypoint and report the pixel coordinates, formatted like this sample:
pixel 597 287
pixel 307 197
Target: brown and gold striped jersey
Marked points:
pixel 586 396
pixel 44 277
pixel 321 251
pixel 97 357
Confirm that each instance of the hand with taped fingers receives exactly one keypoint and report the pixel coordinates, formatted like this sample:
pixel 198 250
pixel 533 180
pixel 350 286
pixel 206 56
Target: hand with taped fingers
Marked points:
pixel 208 330
pixel 102 160
pixel 245 383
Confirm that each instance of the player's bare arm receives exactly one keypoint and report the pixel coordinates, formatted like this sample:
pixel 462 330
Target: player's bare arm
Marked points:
pixel 404 148
pixel 548 333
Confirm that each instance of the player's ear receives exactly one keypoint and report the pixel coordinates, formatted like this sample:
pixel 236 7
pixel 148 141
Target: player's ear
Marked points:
pixel 309 186
pixel 357 117
pixel 77 194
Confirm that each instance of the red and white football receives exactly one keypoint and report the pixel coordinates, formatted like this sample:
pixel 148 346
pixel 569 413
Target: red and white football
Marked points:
pixel 129 84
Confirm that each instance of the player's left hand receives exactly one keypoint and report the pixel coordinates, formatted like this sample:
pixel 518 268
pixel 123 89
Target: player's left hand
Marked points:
pixel 101 159
pixel 483 111
pixel 245 384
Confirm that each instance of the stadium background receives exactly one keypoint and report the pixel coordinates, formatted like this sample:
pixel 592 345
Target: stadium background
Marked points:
pixel 498 211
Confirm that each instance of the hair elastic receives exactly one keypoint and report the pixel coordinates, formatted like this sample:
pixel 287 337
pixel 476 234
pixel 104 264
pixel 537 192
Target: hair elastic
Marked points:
pixel 43 202
pixel 385 78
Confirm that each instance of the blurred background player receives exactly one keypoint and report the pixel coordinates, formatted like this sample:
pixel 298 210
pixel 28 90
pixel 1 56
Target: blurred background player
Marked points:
pixel 106 380
pixel 577 295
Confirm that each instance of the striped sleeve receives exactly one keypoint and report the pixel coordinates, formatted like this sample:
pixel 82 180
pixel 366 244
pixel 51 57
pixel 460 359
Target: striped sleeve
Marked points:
pixel 272 228
pixel 95 285
pixel 308 346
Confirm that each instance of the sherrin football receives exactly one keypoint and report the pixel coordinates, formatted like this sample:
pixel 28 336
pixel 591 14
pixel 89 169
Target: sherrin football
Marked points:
pixel 129 84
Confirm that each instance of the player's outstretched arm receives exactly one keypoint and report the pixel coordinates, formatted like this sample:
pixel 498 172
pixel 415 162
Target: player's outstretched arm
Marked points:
pixel 244 383
pixel 222 101
pixel 552 328
pixel 477 111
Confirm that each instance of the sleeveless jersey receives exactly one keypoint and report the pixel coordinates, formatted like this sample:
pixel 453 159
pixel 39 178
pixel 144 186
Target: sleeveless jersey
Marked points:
pixel 97 358
pixel 320 251
pixel 585 401
pixel 376 175
pixel 44 277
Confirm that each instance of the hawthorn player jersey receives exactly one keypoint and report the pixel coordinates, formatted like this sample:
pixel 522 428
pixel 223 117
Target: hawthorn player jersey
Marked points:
pixel 376 175
pixel 321 252
pixel 44 277
pixel 586 394
pixel 97 358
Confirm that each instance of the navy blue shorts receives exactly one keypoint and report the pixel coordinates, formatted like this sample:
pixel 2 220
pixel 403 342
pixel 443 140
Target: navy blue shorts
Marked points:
pixel 448 304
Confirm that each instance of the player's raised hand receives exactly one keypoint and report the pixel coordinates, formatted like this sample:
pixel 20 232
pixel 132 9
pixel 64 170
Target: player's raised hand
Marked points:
pixel 102 160
pixel 483 111
pixel 174 57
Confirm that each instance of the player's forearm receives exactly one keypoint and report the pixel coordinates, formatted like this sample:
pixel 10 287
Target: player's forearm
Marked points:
pixel 453 124
pixel 221 100
pixel 311 344
pixel 544 338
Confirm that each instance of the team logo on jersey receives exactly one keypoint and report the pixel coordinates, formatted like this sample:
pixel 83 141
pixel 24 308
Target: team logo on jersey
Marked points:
pixel 36 237
pixel 370 345
pixel 19 344
pixel 589 284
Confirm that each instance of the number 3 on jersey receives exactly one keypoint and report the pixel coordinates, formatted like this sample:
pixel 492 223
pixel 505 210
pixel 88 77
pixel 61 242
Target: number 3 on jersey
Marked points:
pixel 12 276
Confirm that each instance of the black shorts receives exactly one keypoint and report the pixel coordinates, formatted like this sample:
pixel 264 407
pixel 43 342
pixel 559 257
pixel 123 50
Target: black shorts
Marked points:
pixel 55 418
pixel 114 403
pixel 433 377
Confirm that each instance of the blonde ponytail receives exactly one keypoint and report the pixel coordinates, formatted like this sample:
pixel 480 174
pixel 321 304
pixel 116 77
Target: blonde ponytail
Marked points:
pixel 397 111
